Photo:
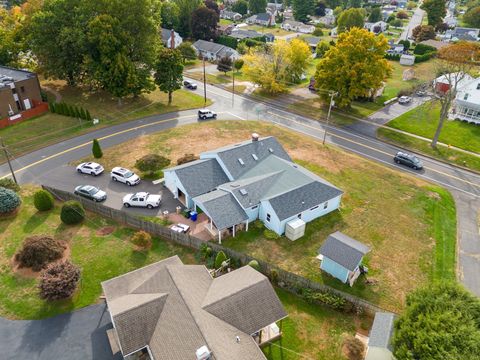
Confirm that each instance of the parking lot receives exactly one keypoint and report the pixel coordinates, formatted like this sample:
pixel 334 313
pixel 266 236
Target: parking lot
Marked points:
pixel 66 178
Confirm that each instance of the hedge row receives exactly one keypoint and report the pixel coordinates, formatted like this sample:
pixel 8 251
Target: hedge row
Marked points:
pixel 69 110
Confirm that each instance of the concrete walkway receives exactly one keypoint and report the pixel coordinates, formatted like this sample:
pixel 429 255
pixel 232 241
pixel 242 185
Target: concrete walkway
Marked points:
pixel 80 335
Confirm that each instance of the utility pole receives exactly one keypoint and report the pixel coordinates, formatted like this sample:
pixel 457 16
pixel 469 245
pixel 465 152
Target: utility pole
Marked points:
pixel 233 85
pixel 332 94
pixel 8 159
pixel 204 84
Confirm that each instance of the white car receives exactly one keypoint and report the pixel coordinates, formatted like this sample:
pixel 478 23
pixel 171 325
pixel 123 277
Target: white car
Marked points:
pixel 91 168
pixel 125 176
pixel 206 114
pixel 142 199
pixel 404 99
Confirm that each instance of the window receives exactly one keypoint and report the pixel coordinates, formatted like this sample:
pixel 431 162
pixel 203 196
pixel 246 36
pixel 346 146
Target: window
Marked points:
pixel 315 207
pixel 268 217
pixel 254 207
pixel 478 86
pixel 325 205
pixel 465 97
pixel 22 89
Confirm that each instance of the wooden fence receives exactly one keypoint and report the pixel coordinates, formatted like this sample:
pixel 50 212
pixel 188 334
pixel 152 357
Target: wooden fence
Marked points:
pixel 287 280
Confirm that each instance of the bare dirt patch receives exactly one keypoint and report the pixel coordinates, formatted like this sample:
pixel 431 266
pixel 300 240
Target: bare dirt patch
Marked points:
pixel 106 230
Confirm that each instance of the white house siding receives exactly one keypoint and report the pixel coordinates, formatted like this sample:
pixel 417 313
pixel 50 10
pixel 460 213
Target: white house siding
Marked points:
pixel 173 184
pixel 274 223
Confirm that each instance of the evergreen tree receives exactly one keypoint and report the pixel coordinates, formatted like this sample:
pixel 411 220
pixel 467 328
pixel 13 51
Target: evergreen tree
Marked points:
pixel 88 116
pixel 257 6
pixel 96 149
pixel 302 9
pixel 51 107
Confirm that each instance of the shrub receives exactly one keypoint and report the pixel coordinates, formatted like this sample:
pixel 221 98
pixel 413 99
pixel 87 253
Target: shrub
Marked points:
pixel 142 239
pixel 151 163
pixel 227 41
pixel 8 183
pixel 186 159
pixel 270 234
pixel 317 32
pixel 355 348
pixel 406 44
pixel 425 57
pixel 393 57
pixel 43 200
pixel 219 259
pixel 258 224
pixel 9 201
pixel 396 23
pixel 421 49
pixel 402 15
pixel 72 212
pixel 274 276
pixel 38 251
pixel 254 264
pixel 238 64
pixel 59 281
pixel 96 149
pixel 327 298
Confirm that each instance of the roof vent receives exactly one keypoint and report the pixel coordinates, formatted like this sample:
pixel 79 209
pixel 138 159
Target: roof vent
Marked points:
pixel 203 353
pixel 241 161
pixel 243 192
pixel 255 157
pixel 237 338
pixel 255 137
pixel 270 149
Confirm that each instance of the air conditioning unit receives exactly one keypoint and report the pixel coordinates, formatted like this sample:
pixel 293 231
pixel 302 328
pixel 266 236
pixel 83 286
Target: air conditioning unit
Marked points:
pixel 203 353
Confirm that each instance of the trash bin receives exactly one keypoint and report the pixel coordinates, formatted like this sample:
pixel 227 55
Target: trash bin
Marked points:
pixel 193 215
pixel 179 209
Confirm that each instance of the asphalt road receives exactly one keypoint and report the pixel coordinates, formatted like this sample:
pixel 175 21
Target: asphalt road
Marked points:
pixel 464 184
pixel 415 20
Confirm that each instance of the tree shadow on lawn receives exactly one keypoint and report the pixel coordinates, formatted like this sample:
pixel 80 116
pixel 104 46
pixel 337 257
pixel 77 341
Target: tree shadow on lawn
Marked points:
pixel 35 221
pixel 138 258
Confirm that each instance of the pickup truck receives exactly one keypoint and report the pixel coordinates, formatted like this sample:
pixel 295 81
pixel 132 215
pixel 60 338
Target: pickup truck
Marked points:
pixel 142 199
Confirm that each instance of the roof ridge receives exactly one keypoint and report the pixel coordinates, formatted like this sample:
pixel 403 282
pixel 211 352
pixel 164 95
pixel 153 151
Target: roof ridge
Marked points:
pixel 160 295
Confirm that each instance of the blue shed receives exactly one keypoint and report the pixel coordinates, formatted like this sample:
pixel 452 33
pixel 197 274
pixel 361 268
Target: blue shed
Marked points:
pixel 341 257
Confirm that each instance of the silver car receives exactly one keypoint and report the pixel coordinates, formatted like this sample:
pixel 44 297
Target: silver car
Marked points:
pixel 90 192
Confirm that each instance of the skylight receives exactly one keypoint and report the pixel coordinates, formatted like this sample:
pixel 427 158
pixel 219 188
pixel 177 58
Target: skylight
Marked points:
pixel 241 161
pixel 270 149
pixel 243 192
pixel 255 157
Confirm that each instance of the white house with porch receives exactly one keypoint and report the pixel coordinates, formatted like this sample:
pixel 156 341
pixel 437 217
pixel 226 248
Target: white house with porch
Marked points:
pixel 467 102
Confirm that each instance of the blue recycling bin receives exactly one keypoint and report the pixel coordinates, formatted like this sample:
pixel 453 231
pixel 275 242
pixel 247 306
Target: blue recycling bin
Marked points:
pixel 193 215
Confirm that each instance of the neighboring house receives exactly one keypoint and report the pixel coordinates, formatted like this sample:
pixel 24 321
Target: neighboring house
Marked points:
pixel 451 21
pixel 4 4
pixel 240 34
pixel 435 43
pixel 378 27
pixel 396 49
pixel 171 39
pixel 401 3
pixel 341 257
pixel 312 41
pixel 297 26
pixel 225 29
pixel 461 33
pixel 386 14
pixel 19 91
pixel 263 19
pixel 379 342
pixel 230 15
pixel 443 83
pixel 255 179
pixel 327 20
pixel 288 14
pixel 407 60
pixel 171 311
pixel 213 52
pixel 275 6
pixel 467 102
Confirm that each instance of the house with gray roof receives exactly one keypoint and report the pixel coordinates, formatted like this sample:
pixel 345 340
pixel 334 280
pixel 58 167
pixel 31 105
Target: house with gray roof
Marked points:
pixel 213 52
pixel 341 257
pixel 256 179
pixel 263 19
pixel 379 346
pixel 172 311
pixel 171 39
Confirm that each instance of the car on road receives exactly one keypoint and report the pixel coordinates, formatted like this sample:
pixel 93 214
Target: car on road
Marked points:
pixel 190 85
pixel 90 192
pixel 404 99
pixel 142 199
pixel 125 176
pixel 421 93
pixel 91 168
pixel 206 114
pixel 408 160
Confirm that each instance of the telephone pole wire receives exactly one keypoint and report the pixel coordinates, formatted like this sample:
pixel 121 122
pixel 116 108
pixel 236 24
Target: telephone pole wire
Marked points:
pixel 8 159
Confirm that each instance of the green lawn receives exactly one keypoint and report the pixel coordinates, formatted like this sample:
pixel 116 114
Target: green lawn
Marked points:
pixel 406 223
pixel 99 257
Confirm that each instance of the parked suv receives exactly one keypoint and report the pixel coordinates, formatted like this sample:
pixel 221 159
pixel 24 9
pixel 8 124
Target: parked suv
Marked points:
pixel 206 114
pixel 190 85
pixel 90 168
pixel 404 99
pixel 408 160
pixel 125 176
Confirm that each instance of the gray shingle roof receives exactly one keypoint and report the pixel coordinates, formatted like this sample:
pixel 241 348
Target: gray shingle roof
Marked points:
pixel 245 34
pixel 167 297
pixel 382 330
pixel 200 176
pixel 302 198
pixel 222 208
pixel 343 250
pixel 263 17
pixel 312 40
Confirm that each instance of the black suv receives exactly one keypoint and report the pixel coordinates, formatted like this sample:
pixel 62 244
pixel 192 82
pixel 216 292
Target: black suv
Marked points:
pixel 408 160
pixel 190 85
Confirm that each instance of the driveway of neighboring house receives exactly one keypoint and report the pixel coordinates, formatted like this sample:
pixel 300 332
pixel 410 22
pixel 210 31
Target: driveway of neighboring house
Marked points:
pixel 79 335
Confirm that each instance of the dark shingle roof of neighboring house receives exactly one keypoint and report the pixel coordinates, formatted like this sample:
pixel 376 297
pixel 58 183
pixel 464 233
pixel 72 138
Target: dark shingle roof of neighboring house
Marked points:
pixel 200 176
pixel 302 198
pixel 16 74
pixel 382 330
pixel 262 148
pixel 208 46
pixel 245 34
pixel 222 208
pixel 312 40
pixel 263 17
pixel 343 250
pixel 466 33
pixel 175 309
pixel 166 34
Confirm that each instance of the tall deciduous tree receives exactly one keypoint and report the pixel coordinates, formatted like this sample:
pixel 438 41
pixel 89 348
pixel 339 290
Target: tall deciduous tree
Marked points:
pixel 355 67
pixel 375 15
pixel 169 71
pixel 302 9
pixel 423 32
pixel 351 18
pixel 472 17
pixel 455 62
pixel 212 5
pixel 170 15
pixel 241 7
pixel 440 322
pixel 187 51
pixel 320 8
pixel 436 11
pixel 257 6
pixel 186 8
pixel 225 64
pixel 204 24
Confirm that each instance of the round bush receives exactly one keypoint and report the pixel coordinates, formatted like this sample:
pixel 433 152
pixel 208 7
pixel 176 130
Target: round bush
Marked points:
pixel 254 264
pixel 186 158
pixel 8 183
pixel 72 213
pixel 43 200
pixel 59 281
pixel 151 163
pixel 142 239
pixel 38 251
pixel 9 201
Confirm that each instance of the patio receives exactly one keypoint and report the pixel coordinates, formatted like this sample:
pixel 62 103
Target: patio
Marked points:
pixel 198 228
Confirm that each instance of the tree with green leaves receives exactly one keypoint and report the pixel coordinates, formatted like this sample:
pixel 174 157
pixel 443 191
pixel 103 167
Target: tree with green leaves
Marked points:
pixel 96 149
pixel 375 15
pixel 423 32
pixel 355 3
pixel 241 7
pixel 170 14
pixel 238 64
pixel 225 64
pixel 185 9
pixel 204 24
pixel 322 47
pixel 436 11
pixel 187 51
pixel 441 321
pixel 472 17
pixel 257 6
pixel 302 9
pixel 351 18
pixel 355 67
pixel 169 71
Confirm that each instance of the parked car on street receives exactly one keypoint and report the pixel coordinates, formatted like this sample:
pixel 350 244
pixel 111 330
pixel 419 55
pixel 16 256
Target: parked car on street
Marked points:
pixel 91 168
pixel 142 199
pixel 421 93
pixel 90 192
pixel 404 99
pixel 408 160
pixel 190 85
pixel 206 114
pixel 125 176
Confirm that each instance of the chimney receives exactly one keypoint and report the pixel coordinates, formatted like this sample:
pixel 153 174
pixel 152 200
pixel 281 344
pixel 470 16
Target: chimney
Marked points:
pixel 255 137
pixel 172 39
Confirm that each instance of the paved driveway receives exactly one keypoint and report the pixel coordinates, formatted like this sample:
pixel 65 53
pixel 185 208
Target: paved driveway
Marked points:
pixel 79 335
